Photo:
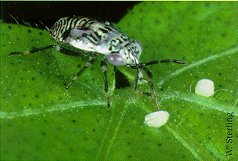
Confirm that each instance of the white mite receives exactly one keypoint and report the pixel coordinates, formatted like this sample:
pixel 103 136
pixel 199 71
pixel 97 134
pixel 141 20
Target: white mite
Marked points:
pixel 205 87
pixel 156 119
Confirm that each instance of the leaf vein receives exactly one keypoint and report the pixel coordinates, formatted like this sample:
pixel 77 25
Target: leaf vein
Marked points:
pixel 43 110
pixel 210 103
pixel 231 51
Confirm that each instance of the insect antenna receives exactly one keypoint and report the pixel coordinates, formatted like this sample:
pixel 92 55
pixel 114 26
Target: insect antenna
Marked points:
pixel 163 61
pixel 142 65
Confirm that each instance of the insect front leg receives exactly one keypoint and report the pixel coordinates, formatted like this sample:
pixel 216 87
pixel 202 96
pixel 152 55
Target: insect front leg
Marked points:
pixel 91 60
pixel 32 51
pixel 139 76
pixel 104 70
pixel 153 92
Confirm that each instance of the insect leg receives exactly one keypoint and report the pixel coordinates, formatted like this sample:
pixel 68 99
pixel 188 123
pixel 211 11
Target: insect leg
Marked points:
pixel 88 64
pixel 153 92
pixel 136 80
pixel 104 70
pixel 28 52
pixel 69 52
pixel 139 76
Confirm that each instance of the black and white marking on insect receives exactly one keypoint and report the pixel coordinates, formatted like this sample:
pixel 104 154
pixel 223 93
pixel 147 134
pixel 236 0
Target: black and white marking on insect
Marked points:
pixel 81 34
pixel 94 36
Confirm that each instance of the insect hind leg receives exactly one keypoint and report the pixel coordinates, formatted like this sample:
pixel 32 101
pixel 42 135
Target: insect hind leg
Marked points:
pixel 32 51
pixel 91 60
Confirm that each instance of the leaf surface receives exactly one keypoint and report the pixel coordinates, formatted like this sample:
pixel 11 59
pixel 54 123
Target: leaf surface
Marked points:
pixel 40 120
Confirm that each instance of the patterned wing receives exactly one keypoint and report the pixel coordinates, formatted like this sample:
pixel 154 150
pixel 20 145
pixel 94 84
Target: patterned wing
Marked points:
pixel 84 34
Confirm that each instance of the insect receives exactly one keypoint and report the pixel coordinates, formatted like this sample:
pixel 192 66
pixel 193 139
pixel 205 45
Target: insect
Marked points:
pixel 81 34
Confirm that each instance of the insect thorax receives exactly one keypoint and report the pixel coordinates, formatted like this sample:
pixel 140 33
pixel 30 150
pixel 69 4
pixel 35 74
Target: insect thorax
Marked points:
pixel 94 36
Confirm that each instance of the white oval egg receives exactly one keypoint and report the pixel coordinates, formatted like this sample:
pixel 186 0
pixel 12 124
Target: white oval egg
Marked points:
pixel 205 87
pixel 156 119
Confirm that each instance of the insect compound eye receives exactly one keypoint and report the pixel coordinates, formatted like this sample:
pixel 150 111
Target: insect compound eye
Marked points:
pixel 116 59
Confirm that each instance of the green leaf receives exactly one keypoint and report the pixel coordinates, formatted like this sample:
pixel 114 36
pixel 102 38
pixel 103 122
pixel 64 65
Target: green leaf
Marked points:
pixel 40 120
